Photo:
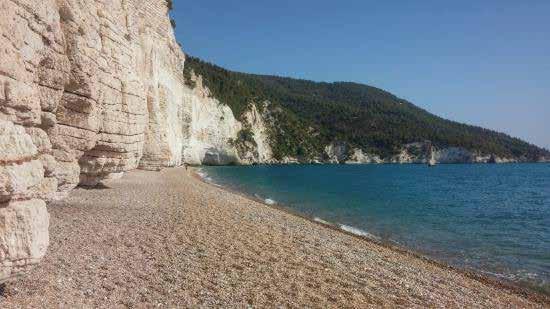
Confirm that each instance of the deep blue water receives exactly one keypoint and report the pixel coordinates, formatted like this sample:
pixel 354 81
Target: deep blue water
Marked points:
pixel 492 218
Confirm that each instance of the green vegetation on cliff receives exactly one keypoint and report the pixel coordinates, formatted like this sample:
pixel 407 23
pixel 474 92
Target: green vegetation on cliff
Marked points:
pixel 310 115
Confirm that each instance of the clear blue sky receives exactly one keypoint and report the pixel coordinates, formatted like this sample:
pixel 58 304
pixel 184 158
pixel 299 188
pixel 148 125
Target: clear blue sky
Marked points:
pixel 481 62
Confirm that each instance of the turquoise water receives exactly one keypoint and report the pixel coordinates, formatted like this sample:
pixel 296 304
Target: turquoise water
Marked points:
pixel 492 218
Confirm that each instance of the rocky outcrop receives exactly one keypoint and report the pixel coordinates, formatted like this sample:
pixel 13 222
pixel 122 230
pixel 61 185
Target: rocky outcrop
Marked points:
pixel 336 152
pixel 209 129
pixel 461 155
pixel 359 157
pixel 24 221
pixel 213 136
pixel 456 155
pixel 258 121
pixel 342 153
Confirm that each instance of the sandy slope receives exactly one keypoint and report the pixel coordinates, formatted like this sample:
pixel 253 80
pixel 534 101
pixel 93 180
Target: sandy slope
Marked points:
pixel 168 239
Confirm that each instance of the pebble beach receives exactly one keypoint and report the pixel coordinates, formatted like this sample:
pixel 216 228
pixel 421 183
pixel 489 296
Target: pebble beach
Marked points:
pixel 167 239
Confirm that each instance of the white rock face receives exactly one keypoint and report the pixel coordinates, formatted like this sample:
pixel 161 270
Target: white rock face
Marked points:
pixel 260 152
pixel 358 157
pixel 210 129
pixel 422 153
pixel 413 153
pixel 23 220
pixel 336 152
pixel 23 236
pixel 454 155
pixel 89 90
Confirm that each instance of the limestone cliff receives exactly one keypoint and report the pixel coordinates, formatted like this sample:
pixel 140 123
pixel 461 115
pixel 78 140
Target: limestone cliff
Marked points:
pixel 213 134
pixel 89 90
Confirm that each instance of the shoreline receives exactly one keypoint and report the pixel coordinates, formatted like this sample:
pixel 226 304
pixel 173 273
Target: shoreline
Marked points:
pixel 381 163
pixel 168 239
pixel 478 275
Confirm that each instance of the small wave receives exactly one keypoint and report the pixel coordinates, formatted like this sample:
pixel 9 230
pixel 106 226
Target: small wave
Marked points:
pixel 521 275
pixel 201 173
pixel 209 180
pixel 523 278
pixel 317 219
pixel 204 176
pixel 356 231
pixel 269 201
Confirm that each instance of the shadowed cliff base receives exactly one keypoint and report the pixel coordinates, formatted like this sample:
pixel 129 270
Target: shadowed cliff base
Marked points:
pixel 167 239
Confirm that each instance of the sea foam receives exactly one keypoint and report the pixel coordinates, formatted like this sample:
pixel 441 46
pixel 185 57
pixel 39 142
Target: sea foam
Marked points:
pixel 204 176
pixel 201 173
pixel 317 219
pixel 269 201
pixel 356 231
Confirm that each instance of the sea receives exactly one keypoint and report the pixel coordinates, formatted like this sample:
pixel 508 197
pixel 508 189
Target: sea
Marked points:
pixel 490 218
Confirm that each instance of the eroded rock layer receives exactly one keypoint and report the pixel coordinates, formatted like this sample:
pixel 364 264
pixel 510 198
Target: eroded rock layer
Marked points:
pixel 89 90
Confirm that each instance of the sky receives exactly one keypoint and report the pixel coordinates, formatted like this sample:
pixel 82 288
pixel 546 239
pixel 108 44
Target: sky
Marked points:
pixel 485 63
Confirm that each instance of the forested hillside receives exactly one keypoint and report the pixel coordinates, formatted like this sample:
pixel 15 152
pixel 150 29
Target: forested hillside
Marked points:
pixel 311 115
